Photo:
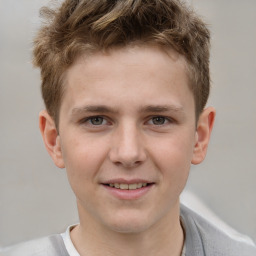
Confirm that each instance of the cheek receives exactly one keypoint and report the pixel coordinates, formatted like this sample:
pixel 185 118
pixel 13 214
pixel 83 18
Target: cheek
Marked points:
pixel 78 152
pixel 173 150
pixel 83 159
pixel 173 158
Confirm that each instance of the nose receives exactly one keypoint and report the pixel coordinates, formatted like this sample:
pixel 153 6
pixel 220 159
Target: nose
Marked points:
pixel 127 148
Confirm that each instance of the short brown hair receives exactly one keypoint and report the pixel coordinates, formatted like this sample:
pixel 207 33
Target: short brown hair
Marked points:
pixel 79 26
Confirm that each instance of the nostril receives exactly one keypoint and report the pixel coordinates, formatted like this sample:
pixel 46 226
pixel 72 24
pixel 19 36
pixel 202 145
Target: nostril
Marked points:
pixel 128 154
pixel 130 164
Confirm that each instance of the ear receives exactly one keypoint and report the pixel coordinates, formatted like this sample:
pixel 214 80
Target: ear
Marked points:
pixel 203 133
pixel 51 138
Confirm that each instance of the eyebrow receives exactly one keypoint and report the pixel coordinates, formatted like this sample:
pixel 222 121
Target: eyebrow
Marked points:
pixel 144 109
pixel 93 109
pixel 162 108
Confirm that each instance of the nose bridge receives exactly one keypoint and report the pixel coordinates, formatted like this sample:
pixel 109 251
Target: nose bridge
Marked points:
pixel 127 147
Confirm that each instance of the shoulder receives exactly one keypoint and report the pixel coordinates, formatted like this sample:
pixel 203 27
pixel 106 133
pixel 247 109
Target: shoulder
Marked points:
pixel 205 238
pixel 47 246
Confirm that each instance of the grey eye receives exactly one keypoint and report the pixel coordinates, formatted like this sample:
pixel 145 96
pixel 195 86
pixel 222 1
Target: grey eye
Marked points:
pixel 97 120
pixel 158 120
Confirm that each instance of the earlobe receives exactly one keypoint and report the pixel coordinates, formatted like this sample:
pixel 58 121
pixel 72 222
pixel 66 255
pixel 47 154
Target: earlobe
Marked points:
pixel 203 133
pixel 51 138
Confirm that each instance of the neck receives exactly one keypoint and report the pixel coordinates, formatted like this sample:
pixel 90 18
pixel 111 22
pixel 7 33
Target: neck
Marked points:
pixel 164 238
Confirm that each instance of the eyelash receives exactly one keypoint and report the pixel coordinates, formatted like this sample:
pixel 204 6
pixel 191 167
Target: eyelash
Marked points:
pixel 90 118
pixel 165 119
pixel 150 121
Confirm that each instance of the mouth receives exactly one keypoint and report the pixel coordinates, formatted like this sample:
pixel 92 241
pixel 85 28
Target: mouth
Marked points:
pixel 126 186
pixel 123 189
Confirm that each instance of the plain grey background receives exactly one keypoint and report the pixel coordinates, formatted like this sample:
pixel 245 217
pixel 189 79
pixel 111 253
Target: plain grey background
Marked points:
pixel 35 198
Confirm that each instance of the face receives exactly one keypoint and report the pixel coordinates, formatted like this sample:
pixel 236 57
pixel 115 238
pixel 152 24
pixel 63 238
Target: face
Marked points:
pixel 127 136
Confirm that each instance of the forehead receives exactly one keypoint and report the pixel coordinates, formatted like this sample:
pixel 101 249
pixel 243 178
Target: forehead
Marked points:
pixel 132 54
pixel 127 72
pixel 156 58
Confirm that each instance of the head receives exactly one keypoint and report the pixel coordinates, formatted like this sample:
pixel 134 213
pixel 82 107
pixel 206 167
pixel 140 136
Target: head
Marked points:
pixel 124 83
pixel 86 27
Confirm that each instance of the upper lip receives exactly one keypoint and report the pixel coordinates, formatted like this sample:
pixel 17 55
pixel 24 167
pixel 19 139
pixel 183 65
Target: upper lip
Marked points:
pixel 125 181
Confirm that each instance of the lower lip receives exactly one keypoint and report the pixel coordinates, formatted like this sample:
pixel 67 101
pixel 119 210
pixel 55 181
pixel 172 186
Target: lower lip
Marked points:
pixel 125 194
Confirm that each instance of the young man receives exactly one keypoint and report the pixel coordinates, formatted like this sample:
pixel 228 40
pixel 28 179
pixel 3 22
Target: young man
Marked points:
pixel 125 84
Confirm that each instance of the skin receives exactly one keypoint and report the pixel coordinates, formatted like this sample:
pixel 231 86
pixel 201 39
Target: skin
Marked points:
pixel 128 114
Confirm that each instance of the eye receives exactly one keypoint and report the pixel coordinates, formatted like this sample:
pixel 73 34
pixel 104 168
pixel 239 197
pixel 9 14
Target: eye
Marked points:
pixel 159 120
pixel 94 121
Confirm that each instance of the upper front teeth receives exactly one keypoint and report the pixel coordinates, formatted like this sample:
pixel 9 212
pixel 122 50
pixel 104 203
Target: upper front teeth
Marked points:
pixel 128 186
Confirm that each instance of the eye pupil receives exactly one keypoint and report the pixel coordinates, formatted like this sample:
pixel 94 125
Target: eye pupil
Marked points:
pixel 158 120
pixel 97 120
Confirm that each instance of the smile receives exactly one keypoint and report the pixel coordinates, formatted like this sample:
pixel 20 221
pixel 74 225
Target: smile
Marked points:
pixel 127 186
pixel 128 190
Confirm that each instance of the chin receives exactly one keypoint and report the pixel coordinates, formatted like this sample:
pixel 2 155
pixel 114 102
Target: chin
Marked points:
pixel 130 224
pixel 130 228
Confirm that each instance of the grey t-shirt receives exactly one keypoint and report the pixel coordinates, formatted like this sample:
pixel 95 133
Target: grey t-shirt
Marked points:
pixel 201 239
pixel 205 239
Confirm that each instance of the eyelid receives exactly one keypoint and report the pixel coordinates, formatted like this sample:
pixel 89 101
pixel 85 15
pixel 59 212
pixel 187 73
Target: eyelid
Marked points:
pixel 107 120
pixel 168 120
pixel 88 118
